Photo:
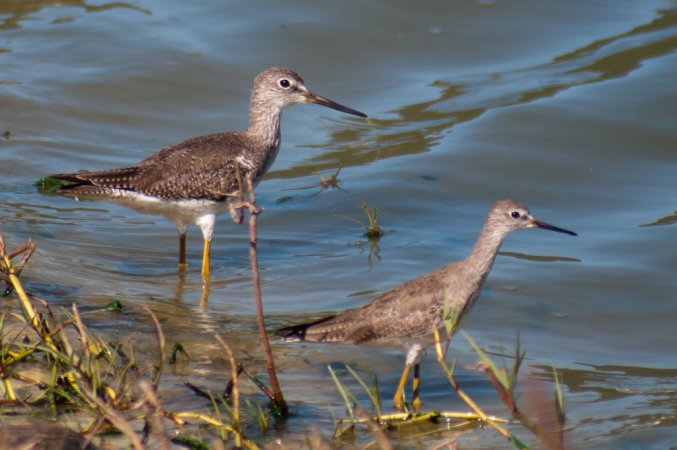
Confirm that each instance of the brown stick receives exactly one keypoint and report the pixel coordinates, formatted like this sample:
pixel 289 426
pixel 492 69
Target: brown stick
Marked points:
pixel 278 398
pixel 154 415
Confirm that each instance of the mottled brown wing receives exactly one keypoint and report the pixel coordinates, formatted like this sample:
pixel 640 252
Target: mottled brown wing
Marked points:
pixel 205 167
pixel 409 310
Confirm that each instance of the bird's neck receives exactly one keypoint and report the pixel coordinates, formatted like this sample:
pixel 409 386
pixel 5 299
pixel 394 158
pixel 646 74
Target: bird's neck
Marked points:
pixel 264 133
pixel 483 254
pixel 264 123
pixel 465 278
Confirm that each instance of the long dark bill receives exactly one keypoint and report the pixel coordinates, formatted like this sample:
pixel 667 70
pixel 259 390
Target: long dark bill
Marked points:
pixel 547 226
pixel 314 98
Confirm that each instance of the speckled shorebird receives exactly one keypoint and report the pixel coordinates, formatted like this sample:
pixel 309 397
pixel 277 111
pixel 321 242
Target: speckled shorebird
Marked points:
pixel 193 181
pixel 408 315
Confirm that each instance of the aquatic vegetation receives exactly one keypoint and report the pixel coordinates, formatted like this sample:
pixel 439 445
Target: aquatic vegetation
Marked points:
pixel 115 393
pixel 103 383
pixel 503 379
pixel 373 230
pixel 331 182
pixel 49 185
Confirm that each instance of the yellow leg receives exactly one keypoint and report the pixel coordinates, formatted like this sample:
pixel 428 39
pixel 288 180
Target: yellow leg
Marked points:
pixel 182 251
pixel 399 394
pixel 205 261
pixel 415 383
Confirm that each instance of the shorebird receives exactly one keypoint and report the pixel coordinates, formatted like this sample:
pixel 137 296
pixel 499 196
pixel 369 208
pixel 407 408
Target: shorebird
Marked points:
pixel 194 180
pixel 408 315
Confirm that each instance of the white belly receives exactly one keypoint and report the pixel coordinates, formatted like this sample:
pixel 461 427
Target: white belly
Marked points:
pixel 181 212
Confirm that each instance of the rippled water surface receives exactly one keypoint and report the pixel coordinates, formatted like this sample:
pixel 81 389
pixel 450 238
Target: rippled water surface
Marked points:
pixel 570 107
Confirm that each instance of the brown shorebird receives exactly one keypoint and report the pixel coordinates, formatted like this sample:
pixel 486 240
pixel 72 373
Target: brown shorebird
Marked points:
pixel 409 314
pixel 194 180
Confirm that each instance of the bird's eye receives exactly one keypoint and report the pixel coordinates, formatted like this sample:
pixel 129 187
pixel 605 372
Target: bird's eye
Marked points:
pixel 515 215
pixel 284 83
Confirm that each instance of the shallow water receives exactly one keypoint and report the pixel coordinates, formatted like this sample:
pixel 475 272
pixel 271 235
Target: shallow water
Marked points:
pixel 568 106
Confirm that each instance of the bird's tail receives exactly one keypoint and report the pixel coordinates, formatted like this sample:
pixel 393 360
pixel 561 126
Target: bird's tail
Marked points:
pixel 298 332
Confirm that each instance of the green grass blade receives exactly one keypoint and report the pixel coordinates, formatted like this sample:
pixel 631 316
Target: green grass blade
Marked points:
pixel 373 396
pixel 498 373
pixel 343 391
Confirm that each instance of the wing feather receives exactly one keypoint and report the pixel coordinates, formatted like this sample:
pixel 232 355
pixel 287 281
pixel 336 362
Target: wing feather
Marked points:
pixel 205 167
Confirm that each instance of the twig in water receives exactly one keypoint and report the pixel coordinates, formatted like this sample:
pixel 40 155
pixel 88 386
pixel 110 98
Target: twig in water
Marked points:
pixel 277 399
pixel 154 416
pixel 161 347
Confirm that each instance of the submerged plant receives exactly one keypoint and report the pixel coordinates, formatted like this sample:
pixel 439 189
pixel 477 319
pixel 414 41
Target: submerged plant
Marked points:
pixel 331 182
pixel 49 185
pixel 373 230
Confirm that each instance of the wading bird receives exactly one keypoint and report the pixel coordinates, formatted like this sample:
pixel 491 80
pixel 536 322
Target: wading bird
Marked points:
pixel 409 314
pixel 192 181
